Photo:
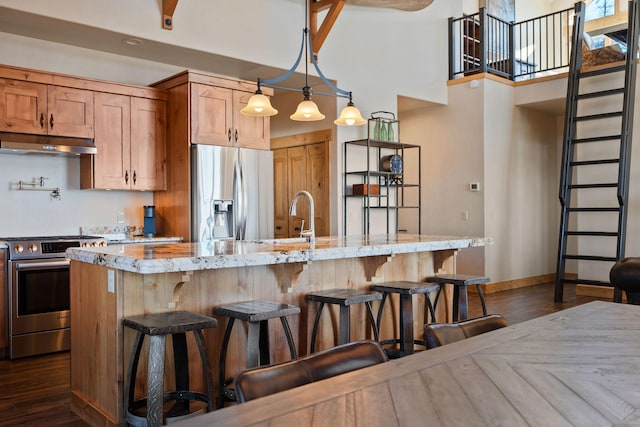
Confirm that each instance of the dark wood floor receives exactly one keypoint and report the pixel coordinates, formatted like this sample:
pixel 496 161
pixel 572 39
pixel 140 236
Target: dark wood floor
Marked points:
pixel 35 391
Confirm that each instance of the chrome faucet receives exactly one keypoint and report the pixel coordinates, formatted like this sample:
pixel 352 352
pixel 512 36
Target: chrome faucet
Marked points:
pixel 310 234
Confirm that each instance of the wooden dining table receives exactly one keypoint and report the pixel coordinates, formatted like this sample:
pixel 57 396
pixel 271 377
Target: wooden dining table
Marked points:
pixel 576 367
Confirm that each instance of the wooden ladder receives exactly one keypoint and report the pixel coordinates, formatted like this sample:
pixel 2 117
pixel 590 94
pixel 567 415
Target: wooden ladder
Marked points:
pixel 591 159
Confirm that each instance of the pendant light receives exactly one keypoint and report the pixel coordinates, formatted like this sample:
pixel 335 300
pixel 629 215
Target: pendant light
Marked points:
pixel 260 105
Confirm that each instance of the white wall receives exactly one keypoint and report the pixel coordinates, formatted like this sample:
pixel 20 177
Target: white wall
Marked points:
pixel 512 153
pixel 452 157
pixel 375 53
pixel 33 213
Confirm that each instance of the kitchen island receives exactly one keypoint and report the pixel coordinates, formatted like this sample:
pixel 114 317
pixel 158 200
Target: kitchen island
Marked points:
pixel 117 281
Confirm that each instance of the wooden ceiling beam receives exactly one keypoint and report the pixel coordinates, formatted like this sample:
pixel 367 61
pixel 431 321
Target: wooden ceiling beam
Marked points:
pixel 319 34
pixel 168 7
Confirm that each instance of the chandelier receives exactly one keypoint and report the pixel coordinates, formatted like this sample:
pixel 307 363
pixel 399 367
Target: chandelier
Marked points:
pixel 260 105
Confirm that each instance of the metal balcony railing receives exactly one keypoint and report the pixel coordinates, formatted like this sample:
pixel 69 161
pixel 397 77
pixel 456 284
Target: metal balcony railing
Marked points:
pixel 483 43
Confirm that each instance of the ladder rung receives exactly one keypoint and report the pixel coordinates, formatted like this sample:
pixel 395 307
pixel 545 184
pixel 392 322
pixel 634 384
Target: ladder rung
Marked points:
pixel 593 233
pixel 597 139
pixel 594 162
pixel 607 185
pixel 599 116
pixel 591 257
pixel 616 209
pixel 601 93
pixel 601 71
pixel 587 282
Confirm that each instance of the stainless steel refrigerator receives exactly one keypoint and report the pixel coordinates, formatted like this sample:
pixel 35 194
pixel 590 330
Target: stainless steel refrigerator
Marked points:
pixel 231 193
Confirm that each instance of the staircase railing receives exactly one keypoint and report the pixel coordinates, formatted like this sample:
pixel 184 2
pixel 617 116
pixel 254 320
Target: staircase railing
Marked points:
pixel 481 43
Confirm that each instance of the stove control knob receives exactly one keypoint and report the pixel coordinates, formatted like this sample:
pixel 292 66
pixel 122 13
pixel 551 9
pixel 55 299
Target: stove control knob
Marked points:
pixel 33 248
pixel 94 244
pixel 18 249
pixel 102 243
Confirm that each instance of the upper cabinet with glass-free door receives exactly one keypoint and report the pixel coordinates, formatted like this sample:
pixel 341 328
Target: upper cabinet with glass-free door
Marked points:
pixel 216 118
pixel 29 107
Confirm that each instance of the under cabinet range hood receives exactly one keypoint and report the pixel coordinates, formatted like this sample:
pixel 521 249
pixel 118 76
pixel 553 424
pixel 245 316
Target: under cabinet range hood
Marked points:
pixel 45 144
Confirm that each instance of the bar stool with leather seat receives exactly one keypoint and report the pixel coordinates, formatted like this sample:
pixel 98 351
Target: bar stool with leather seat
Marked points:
pixel 257 315
pixel 344 298
pixel 157 326
pixel 405 291
pixel 439 334
pixel 460 284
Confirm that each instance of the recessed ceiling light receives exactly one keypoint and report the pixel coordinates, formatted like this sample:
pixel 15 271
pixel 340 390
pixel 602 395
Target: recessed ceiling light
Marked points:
pixel 132 41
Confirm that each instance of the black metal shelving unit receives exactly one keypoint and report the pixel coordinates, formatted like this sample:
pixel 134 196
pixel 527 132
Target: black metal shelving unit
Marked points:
pixel 392 186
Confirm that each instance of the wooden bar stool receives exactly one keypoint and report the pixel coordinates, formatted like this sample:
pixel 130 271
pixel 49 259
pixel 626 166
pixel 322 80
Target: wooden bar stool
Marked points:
pixel 344 298
pixel 257 315
pixel 405 290
pixel 158 326
pixel 460 283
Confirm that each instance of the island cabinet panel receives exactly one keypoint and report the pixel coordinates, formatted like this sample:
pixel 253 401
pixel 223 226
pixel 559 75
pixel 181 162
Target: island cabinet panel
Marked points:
pixel 30 107
pixel 101 297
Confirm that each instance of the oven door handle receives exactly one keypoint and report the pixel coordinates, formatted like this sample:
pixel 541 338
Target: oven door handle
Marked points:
pixel 44 264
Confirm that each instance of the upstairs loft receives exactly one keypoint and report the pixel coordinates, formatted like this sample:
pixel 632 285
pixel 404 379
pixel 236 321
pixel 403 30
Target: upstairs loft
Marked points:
pixel 537 47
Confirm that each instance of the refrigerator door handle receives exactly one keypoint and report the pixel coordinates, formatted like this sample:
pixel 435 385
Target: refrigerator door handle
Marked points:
pixel 240 197
pixel 245 201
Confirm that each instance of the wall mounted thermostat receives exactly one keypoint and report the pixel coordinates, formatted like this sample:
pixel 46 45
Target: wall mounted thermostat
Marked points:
pixel 474 186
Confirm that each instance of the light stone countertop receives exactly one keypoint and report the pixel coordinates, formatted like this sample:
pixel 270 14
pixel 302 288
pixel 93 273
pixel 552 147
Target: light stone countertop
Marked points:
pixel 175 257
pixel 143 240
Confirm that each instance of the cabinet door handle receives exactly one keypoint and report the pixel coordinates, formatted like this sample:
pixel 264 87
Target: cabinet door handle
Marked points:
pixel 236 136
pixel 278 227
pixel 51 121
pixel 135 178
pixel 229 135
pixel 296 229
pixel 126 177
pixel 41 121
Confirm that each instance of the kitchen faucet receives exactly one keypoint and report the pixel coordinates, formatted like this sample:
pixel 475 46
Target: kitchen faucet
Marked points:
pixel 310 234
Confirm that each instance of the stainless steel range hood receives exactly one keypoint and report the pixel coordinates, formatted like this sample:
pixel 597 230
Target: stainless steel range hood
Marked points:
pixel 32 144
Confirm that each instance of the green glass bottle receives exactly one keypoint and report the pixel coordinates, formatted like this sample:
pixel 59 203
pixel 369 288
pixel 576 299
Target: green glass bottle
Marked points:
pixel 390 134
pixel 383 132
pixel 376 130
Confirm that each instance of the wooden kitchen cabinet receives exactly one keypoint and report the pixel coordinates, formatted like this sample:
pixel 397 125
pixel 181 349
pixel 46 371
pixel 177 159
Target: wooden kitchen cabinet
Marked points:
pixel 4 305
pixel 204 109
pixel 130 138
pixel 216 118
pixel 301 167
pixel 281 193
pixel 30 107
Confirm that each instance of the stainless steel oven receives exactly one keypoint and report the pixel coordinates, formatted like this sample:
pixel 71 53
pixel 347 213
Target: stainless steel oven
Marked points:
pixel 38 280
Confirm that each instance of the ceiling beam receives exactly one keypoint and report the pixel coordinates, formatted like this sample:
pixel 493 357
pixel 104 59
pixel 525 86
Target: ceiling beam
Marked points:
pixel 319 34
pixel 168 7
